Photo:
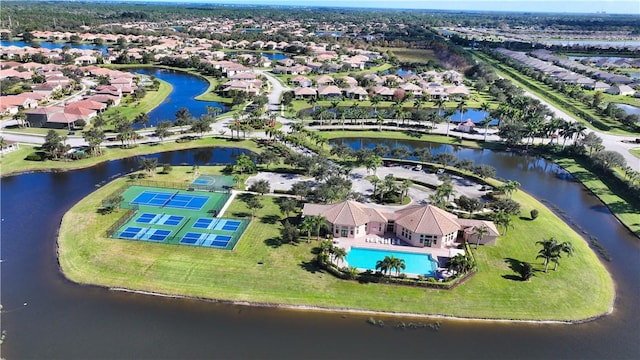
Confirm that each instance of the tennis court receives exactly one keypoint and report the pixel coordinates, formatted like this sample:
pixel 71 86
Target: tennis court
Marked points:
pixel 170 200
pixel 160 219
pixel 149 234
pixel 213 183
pixel 179 217
pixel 217 224
pixel 209 240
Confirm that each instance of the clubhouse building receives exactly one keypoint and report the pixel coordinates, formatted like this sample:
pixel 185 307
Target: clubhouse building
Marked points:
pixel 419 226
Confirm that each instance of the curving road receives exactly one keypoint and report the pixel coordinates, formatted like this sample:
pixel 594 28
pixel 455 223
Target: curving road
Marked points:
pixel 609 141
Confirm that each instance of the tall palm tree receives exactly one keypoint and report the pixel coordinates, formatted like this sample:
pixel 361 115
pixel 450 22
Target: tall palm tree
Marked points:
pixel 338 253
pixel 383 265
pixel 462 108
pixel 307 226
pixel 552 250
pixel 447 114
pixel 375 181
pixel 318 222
pixel 404 189
pixel 480 232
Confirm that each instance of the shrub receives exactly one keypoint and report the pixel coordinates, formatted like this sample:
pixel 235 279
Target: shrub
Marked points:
pixel 534 214
pixel 34 156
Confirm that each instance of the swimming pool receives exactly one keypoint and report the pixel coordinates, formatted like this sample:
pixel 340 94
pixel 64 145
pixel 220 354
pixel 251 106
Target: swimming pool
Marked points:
pixel 415 263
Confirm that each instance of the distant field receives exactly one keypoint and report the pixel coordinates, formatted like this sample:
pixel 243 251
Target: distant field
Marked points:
pixel 412 55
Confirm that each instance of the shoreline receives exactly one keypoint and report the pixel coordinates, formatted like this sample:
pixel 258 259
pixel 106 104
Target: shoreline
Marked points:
pixel 309 308
pixel 346 308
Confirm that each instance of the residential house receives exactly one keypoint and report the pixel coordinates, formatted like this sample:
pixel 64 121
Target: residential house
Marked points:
pixel 304 92
pixel 417 225
pixel 620 90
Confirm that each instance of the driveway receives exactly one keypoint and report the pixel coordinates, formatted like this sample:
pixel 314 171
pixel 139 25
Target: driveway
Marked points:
pixel 418 194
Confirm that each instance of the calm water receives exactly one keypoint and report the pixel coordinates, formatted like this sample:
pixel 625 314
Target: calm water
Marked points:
pixel 627 43
pixel 185 88
pixel 51 46
pixel 415 263
pixel 67 321
pixel 629 109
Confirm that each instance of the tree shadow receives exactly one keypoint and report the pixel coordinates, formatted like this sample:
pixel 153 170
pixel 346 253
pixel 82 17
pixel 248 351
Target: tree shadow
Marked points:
pixel 527 218
pixel 310 266
pixel 245 196
pixel 512 277
pixel 269 219
pixel 273 242
pixel 241 214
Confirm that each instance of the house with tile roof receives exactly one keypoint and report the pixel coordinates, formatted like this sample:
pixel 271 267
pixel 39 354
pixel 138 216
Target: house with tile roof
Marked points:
pixel 417 225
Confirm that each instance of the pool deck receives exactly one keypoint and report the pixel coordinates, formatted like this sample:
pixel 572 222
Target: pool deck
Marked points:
pixel 376 243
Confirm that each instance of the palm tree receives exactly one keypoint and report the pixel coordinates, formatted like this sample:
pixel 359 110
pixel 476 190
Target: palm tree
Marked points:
pixel 461 107
pixel 373 162
pixel 480 232
pixel 503 219
pixel 486 121
pixel 318 222
pixel 404 189
pixel 383 265
pixel 566 131
pixel 460 263
pixel 447 114
pixel 551 251
pixel 510 187
pixel 307 226
pixel 375 181
pixel 338 253
pixel 397 264
pixel 375 100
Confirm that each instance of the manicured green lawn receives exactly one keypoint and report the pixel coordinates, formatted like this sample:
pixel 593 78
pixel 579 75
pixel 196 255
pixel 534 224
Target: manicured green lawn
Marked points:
pixel 261 270
pixel 14 162
pixel 626 212
pixel 635 152
pixel 557 99
pixel 150 101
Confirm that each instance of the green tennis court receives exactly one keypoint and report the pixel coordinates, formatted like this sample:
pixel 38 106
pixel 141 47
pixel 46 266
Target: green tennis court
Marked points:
pixel 179 217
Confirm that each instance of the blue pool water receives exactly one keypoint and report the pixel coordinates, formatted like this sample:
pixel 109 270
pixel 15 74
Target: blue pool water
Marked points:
pixel 415 263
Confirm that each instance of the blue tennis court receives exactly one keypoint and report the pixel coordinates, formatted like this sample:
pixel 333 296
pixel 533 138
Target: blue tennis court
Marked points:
pixel 160 219
pixel 189 202
pixel 217 224
pixel 170 200
pixel 150 234
pixel 202 182
pixel 200 239
pixel 152 198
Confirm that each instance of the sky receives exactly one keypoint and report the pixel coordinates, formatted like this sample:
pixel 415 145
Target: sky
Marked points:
pixel 563 6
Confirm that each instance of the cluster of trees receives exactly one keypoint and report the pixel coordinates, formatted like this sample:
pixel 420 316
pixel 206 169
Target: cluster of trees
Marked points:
pixel 552 250
pixel 575 92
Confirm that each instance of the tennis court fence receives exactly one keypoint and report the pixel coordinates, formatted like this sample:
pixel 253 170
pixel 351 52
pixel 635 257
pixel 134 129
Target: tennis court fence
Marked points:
pixel 130 212
pixel 181 186
pixel 244 223
pixel 115 197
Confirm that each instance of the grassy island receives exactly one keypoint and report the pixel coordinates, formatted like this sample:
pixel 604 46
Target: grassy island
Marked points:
pixel 259 270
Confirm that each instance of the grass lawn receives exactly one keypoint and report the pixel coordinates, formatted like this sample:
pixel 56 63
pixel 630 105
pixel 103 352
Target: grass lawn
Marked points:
pixel 635 152
pixel 412 55
pixel 14 162
pixel 557 99
pixel 150 101
pixel 626 212
pixel 261 270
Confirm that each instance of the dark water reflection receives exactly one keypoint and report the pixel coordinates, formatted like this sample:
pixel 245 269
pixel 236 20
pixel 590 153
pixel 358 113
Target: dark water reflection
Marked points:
pixel 185 88
pixel 64 320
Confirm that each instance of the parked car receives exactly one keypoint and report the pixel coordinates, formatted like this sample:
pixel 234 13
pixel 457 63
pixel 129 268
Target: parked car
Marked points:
pixel 440 171
pixel 486 188
pixel 417 167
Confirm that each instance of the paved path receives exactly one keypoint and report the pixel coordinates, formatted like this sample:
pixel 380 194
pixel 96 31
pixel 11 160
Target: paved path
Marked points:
pixel 417 193
pixel 609 141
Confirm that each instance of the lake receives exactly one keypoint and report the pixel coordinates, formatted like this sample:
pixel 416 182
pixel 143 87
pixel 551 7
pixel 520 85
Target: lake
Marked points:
pixel 67 321
pixel 52 46
pixel 185 88
pixel 629 109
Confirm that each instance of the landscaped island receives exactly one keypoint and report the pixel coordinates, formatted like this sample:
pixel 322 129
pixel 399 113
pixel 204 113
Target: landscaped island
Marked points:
pixel 263 270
